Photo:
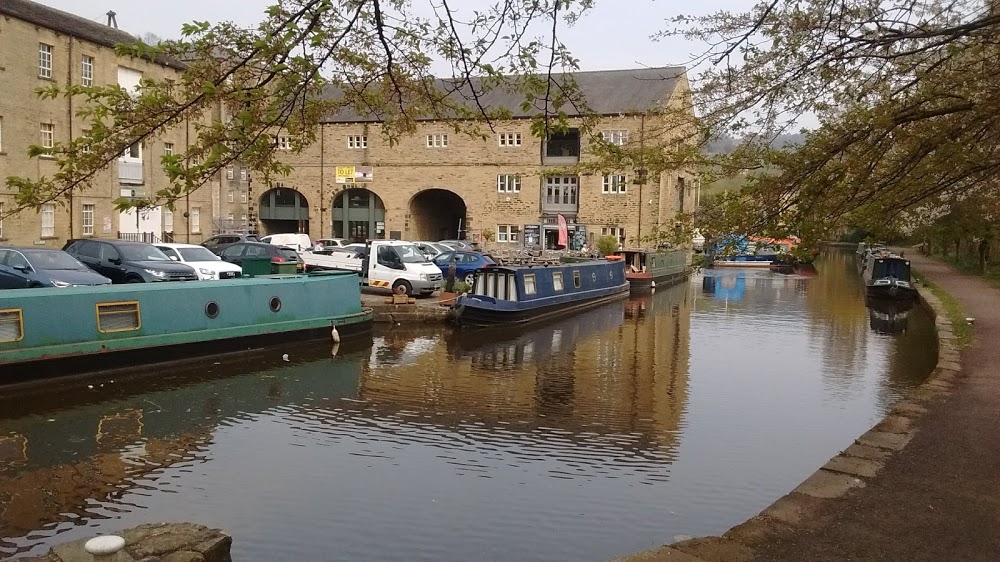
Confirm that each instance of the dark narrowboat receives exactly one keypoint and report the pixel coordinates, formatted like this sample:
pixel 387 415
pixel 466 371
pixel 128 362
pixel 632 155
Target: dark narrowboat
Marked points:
pixel 887 276
pixel 646 270
pixel 504 295
pixel 57 331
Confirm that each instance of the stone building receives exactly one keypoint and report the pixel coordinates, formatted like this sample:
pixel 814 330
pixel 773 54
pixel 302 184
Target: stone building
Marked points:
pixel 40 46
pixel 439 184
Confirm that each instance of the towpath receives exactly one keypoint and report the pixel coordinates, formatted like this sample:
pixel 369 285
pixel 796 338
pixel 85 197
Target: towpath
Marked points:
pixel 937 499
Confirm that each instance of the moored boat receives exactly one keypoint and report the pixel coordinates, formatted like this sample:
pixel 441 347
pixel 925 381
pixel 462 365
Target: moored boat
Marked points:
pixel 647 269
pixel 77 329
pixel 523 294
pixel 887 276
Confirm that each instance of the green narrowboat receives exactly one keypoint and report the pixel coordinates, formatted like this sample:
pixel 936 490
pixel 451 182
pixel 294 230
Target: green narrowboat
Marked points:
pixel 646 270
pixel 57 331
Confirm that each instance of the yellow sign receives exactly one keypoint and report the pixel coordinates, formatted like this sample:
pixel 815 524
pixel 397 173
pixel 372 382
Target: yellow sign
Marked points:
pixel 354 174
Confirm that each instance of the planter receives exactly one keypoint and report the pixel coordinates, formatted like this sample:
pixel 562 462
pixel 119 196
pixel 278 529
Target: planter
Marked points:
pixel 447 299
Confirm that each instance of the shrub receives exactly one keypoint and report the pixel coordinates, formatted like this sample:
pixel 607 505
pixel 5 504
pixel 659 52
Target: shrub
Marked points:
pixel 607 245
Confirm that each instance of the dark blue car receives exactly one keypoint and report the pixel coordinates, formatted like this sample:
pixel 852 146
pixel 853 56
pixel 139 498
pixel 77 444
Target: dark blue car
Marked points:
pixel 466 264
pixel 34 267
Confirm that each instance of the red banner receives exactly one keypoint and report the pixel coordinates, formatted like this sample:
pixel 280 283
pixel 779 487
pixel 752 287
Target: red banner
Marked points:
pixel 563 233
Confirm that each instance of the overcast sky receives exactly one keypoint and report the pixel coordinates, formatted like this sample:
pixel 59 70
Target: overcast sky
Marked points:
pixel 615 34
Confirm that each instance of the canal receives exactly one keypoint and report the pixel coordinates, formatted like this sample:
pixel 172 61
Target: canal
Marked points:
pixel 610 432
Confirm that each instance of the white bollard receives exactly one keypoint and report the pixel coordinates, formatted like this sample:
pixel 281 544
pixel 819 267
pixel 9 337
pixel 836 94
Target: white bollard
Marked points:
pixel 104 547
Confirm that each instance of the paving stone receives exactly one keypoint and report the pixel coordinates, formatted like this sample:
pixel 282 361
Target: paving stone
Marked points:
pixel 662 554
pixel 825 484
pixel 882 440
pixel 854 466
pixel 791 508
pixel 894 424
pixel 909 409
pixel 716 549
pixel 867 452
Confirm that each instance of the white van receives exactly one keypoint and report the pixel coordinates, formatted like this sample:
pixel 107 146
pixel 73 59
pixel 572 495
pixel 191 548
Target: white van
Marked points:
pixel 396 266
pixel 300 242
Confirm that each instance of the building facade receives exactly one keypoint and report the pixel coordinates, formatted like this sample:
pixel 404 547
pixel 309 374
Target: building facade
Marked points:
pixel 40 46
pixel 508 190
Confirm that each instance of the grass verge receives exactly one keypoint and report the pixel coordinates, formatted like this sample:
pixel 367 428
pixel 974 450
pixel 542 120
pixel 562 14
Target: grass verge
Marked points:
pixel 963 331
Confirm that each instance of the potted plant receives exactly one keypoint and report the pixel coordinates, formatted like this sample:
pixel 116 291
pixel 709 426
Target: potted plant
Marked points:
pixel 607 245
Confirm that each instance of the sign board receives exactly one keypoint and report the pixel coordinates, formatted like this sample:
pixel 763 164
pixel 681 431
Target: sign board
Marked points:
pixel 578 238
pixel 355 174
pixel 532 234
pixel 379 227
pixel 107 225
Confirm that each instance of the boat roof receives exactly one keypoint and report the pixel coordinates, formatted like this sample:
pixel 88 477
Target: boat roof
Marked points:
pixel 537 267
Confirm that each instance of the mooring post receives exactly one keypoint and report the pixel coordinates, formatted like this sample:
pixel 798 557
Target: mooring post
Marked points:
pixel 104 548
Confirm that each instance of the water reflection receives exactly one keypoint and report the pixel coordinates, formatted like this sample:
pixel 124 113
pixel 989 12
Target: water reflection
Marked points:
pixel 888 317
pixel 587 438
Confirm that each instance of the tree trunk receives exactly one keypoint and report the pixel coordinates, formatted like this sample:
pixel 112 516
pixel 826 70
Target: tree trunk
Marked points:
pixel 984 248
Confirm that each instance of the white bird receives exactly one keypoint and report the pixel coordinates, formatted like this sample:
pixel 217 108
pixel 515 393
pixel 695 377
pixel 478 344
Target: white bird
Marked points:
pixel 284 357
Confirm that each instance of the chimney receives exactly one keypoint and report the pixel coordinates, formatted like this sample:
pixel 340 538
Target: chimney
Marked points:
pixel 112 22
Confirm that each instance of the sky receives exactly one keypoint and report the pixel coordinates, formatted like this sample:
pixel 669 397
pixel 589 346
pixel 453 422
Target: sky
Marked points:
pixel 615 34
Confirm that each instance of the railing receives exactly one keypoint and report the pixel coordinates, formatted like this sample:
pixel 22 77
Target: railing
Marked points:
pixel 147 237
pixel 129 173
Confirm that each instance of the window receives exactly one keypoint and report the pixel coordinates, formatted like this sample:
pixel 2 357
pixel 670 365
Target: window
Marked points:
pixel 243 197
pixel 357 141
pixel 615 231
pixel 283 142
pixel 230 217
pixel 229 176
pixel 561 190
pixel 509 139
pixel 576 278
pixel 44 60
pixel 232 196
pixel 437 141
pixel 48 220
pixel 11 325
pixel 195 219
pixel 508 183
pixel 512 287
pixel 613 183
pixel 48 135
pixel 557 280
pixel 133 152
pixel 86 147
pixel 1 220
pixel 618 138
pixel 87 71
pixel 118 317
pixel 243 219
pixel 168 149
pixel 168 220
pixel 529 284
pixel 243 174
pixel 88 220
pixel 508 232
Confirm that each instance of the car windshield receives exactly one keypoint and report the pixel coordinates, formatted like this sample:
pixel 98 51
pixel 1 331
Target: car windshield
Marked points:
pixel 141 252
pixel 53 260
pixel 197 254
pixel 410 253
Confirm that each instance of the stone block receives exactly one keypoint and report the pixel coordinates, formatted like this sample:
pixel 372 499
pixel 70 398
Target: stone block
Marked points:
pixel 949 365
pixel 909 409
pixel 867 452
pixel 716 549
pixel 183 556
pixel 791 509
pixel 853 466
pixel 662 554
pixel 894 424
pixel 825 484
pixel 882 440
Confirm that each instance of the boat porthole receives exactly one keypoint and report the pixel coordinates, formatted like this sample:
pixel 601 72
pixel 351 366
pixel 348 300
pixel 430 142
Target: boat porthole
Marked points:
pixel 275 304
pixel 212 309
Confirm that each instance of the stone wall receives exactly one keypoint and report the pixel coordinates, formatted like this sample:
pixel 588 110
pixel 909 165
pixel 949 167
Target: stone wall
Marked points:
pixel 162 542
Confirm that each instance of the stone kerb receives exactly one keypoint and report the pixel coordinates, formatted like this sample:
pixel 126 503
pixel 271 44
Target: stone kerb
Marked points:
pixel 848 472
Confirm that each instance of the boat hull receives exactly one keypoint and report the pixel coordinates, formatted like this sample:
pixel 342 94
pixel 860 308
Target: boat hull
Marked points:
pixel 892 293
pixel 468 315
pixel 646 282
pixel 76 330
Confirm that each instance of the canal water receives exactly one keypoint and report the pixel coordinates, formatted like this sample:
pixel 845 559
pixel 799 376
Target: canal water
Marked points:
pixel 610 432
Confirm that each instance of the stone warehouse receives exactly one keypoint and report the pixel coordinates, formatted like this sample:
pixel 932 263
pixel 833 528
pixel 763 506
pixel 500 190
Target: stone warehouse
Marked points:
pixel 40 46
pixel 510 188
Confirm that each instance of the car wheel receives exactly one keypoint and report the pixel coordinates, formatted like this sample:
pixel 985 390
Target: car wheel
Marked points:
pixel 134 280
pixel 470 278
pixel 407 288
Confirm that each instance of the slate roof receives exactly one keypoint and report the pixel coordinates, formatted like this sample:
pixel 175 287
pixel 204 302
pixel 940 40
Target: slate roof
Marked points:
pixel 70 24
pixel 606 92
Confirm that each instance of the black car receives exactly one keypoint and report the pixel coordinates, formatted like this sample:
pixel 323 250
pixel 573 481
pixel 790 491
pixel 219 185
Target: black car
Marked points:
pixel 36 267
pixel 220 242
pixel 236 253
pixel 129 262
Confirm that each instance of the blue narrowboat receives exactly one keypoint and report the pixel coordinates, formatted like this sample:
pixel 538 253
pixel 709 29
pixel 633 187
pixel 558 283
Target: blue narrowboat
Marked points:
pixel 57 331
pixel 503 295
pixel 887 276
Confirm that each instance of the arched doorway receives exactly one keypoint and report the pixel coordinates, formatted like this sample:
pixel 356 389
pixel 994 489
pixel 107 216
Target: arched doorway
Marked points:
pixel 358 215
pixel 437 214
pixel 283 209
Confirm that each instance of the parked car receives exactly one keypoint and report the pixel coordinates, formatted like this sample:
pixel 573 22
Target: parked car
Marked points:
pixel 466 264
pixel 697 241
pixel 465 245
pixel 220 242
pixel 330 243
pixel 129 262
pixel 208 265
pixel 299 242
pixel 236 253
pixel 432 249
pixel 35 267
